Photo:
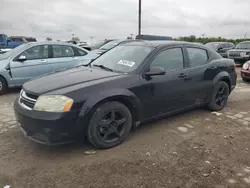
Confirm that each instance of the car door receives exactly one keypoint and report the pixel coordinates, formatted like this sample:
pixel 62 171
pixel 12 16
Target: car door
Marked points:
pixel 201 71
pixel 64 58
pixel 169 92
pixel 35 63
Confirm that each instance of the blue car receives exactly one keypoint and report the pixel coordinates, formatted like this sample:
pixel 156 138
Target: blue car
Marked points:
pixel 34 59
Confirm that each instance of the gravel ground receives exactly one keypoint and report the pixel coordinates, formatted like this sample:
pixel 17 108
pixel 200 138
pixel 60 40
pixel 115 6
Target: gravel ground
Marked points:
pixel 194 149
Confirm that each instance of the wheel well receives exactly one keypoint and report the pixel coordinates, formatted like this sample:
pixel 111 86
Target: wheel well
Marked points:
pixel 227 80
pixel 124 101
pixel 4 79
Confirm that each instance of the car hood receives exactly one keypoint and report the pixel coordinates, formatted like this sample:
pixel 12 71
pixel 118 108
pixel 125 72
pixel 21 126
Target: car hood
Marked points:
pixel 67 78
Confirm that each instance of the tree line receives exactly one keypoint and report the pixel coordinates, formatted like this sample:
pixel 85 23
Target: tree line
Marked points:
pixel 205 40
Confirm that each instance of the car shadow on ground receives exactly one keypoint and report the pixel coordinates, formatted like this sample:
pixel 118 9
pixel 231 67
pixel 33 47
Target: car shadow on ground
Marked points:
pixel 82 145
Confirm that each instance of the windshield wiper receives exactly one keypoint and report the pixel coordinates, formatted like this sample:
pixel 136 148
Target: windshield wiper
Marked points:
pixel 103 67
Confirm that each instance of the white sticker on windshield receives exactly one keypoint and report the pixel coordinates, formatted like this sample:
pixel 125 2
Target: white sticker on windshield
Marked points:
pixel 126 63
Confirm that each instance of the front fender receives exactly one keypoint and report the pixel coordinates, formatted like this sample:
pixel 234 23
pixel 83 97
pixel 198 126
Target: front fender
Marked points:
pixel 107 95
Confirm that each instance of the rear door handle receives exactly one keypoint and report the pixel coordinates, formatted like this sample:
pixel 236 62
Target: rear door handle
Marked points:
pixel 213 67
pixel 42 61
pixel 183 75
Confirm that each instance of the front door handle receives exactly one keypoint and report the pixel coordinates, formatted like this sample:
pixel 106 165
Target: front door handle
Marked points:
pixel 183 75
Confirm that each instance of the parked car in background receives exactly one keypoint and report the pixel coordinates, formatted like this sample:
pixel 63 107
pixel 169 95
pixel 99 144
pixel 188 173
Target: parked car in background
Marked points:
pixel 13 41
pixel 199 43
pixel 153 37
pixel 84 45
pixel 241 53
pixel 245 71
pixel 100 43
pixel 221 47
pixel 110 45
pixel 129 84
pixel 2 51
pixel 31 60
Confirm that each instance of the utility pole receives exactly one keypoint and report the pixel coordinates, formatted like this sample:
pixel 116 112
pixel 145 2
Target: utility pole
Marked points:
pixel 245 36
pixel 139 19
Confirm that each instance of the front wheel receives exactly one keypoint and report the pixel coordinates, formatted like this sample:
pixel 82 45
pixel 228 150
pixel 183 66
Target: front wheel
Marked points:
pixel 219 96
pixel 109 125
pixel 3 86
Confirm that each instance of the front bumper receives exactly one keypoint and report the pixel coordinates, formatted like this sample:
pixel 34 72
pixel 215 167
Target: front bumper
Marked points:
pixel 245 74
pixel 239 60
pixel 46 127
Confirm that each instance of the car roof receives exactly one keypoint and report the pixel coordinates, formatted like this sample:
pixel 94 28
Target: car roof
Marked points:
pixel 49 43
pixel 244 42
pixel 217 42
pixel 157 43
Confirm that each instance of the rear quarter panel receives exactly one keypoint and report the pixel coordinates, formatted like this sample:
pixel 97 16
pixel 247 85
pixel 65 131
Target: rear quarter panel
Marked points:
pixel 226 69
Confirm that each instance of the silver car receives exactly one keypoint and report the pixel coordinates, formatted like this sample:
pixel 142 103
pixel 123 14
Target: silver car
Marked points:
pixel 31 60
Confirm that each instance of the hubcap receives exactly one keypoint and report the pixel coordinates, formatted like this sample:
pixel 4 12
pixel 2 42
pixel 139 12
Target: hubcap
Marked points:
pixel 111 127
pixel 221 96
pixel 1 85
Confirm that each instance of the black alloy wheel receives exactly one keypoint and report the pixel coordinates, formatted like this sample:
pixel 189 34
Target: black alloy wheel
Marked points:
pixel 109 125
pixel 219 96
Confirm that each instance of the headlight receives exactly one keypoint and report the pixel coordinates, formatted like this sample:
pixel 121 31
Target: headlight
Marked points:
pixel 245 66
pixel 53 103
pixel 242 53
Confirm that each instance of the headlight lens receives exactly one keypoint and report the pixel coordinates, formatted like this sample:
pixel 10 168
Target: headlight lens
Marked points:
pixel 245 66
pixel 53 103
pixel 242 53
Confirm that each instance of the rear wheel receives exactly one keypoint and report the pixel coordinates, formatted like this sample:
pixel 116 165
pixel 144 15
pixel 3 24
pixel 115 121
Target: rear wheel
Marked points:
pixel 3 86
pixel 219 96
pixel 110 125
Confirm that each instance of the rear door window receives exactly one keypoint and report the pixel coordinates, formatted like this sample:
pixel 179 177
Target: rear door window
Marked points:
pixel 79 52
pixel 62 51
pixel 197 56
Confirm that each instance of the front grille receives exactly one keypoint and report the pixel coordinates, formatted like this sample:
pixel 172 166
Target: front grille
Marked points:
pixel 27 100
pixel 234 54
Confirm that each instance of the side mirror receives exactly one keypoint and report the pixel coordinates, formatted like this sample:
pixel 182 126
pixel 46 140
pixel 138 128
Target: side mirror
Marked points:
pixel 155 71
pixel 220 48
pixel 22 58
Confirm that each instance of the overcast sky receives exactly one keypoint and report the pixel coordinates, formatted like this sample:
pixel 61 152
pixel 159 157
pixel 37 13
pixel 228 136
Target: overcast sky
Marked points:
pixel 101 19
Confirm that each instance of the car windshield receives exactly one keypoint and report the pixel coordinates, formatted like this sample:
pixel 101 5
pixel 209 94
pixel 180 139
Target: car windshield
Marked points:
pixel 123 58
pixel 13 51
pixel 243 46
pixel 213 45
pixel 109 45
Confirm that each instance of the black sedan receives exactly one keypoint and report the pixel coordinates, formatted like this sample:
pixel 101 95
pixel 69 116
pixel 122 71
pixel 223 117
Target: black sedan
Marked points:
pixel 128 85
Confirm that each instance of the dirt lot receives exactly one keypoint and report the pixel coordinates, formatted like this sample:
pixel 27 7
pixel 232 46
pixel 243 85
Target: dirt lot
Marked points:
pixel 195 149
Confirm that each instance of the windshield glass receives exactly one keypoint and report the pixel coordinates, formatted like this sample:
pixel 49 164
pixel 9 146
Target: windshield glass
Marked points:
pixel 213 45
pixel 123 58
pixel 109 45
pixel 243 46
pixel 13 51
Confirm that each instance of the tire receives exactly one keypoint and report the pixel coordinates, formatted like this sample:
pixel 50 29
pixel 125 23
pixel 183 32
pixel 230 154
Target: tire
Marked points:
pixel 102 124
pixel 3 86
pixel 245 79
pixel 214 104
